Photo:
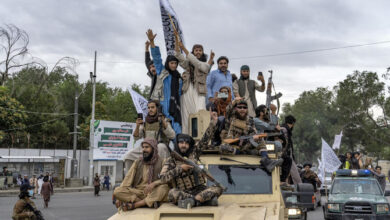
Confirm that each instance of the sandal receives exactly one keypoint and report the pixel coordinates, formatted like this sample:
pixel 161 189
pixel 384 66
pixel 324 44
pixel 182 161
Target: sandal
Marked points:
pixel 128 206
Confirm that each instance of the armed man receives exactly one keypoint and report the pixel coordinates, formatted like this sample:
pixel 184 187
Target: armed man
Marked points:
pixel 239 135
pixel 25 208
pixel 187 181
pixel 156 126
pixel 141 186
pixel 246 88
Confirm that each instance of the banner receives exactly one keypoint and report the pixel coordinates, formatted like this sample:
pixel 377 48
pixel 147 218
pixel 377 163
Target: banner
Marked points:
pixel 320 171
pixel 337 141
pixel 166 11
pixel 113 139
pixel 329 159
pixel 141 104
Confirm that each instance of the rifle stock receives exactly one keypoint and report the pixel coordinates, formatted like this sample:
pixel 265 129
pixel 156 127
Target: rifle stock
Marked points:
pixel 234 140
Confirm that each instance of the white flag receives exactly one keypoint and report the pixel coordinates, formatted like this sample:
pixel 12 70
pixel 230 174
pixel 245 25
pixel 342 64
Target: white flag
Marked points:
pixel 329 159
pixel 166 11
pixel 320 172
pixel 141 104
pixel 337 141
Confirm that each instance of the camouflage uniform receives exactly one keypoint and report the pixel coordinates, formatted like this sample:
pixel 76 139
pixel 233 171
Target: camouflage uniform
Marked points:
pixel 235 128
pixel 186 184
pixel 20 211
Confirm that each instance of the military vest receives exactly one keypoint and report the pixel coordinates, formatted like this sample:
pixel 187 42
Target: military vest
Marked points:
pixel 251 90
pixel 188 180
pixel 237 128
pixel 151 131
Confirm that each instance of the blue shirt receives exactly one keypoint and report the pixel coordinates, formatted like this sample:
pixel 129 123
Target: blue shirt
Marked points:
pixel 217 79
pixel 166 88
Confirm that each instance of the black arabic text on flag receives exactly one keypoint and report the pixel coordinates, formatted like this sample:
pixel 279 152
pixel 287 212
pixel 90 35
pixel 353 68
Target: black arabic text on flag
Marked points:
pixel 167 13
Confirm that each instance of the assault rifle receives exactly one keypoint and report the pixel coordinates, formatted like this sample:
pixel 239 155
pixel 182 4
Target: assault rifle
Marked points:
pixel 196 168
pixel 36 212
pixel 250 138
pixel 271 97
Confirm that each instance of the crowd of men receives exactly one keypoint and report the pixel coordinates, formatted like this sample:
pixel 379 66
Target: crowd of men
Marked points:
pixel 153 175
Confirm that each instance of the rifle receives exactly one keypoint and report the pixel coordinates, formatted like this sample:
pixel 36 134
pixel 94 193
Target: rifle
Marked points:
pixel 36 212
pixel 196 168
pixel 250 138
pixel 271 97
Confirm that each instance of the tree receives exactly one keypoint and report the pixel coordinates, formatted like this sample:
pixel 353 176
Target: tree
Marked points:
pixel 14 42
pixel 12 116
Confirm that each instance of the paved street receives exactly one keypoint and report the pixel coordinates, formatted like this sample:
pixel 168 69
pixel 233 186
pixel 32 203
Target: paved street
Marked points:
pixel 83 205
pixel 67 206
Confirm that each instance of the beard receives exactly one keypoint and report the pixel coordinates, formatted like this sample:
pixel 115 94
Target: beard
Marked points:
pixel 147 156
pixel 238 115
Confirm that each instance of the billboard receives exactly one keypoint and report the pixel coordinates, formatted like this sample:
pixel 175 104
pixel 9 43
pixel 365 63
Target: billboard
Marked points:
pixel 113 139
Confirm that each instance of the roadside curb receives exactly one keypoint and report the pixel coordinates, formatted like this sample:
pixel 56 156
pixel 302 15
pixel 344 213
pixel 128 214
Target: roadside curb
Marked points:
pixel 7 193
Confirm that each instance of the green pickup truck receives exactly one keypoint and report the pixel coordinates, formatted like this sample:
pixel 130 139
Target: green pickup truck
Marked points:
pixel 356 195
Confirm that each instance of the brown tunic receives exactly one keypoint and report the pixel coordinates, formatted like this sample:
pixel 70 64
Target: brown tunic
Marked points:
pixel 46 191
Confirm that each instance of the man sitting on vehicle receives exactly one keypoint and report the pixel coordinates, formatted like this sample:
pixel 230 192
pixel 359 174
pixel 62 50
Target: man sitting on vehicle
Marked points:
pixel 308 176
pixel 141 186
pixel 156 126
pixel 239 124
pixel 188 186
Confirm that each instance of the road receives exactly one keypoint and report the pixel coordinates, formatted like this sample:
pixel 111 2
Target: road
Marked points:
pixel 67 206
pixel 84 205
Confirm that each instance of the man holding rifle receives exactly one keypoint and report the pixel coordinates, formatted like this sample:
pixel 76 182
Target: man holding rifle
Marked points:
pixel 188 182
pixel 240 136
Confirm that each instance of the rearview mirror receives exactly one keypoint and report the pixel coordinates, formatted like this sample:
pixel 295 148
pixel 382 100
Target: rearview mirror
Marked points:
pixel 387 193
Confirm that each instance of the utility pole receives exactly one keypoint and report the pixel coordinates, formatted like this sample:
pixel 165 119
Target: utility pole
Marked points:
pixel 92 124
pixel 74 164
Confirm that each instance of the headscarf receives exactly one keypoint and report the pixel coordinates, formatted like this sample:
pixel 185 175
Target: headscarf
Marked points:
pixel 153 118
pixel 174 101
pixel 221 104
pixel 188 139
pixel 153 143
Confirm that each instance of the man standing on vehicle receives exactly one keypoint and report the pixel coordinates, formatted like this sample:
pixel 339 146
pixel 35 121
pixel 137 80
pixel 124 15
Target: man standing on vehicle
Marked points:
pixel 23 207
pixel 379 176
pixel 219 78
pixel 246 88
pixel 141 186
pixel 156 126
pixel 189 186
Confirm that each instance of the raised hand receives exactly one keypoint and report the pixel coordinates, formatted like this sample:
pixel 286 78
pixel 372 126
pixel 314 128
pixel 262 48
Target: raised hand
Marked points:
pixel 151 37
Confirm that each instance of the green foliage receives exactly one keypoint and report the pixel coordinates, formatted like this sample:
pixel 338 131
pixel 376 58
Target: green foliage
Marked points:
pixel 349 107
pixel 37 90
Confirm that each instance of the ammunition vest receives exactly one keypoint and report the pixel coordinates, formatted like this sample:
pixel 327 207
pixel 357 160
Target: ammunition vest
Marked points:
pixel 251 90
pixel 188 180
pixel 237 128
pixel 151 131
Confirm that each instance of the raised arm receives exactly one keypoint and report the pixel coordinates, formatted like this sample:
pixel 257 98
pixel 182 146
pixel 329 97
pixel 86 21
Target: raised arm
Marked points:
pixel 155 52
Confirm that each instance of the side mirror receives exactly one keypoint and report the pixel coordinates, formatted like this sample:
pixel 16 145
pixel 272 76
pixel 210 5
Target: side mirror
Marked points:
pixel 387 193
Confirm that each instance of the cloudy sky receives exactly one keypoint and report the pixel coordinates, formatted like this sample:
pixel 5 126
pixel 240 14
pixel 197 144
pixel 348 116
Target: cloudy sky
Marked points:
pixel 236 28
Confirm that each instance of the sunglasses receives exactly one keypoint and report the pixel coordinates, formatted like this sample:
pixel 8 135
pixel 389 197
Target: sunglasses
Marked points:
pixel 241 107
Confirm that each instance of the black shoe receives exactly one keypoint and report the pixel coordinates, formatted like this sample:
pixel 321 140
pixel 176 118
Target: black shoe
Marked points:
pixel 211 202
pixel 186 203
pixel 269 164
pixel 156 205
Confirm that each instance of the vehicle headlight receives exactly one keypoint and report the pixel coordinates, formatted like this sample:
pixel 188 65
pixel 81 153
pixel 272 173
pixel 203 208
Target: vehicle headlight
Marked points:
pixel 270 147
pixel 382 208
pixel 294 212
pixel 332 207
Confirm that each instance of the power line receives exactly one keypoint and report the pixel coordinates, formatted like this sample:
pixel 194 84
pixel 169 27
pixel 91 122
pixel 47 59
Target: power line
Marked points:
pixel 311 51
pixel 22 128
pixel 260 56
pixel 39 113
